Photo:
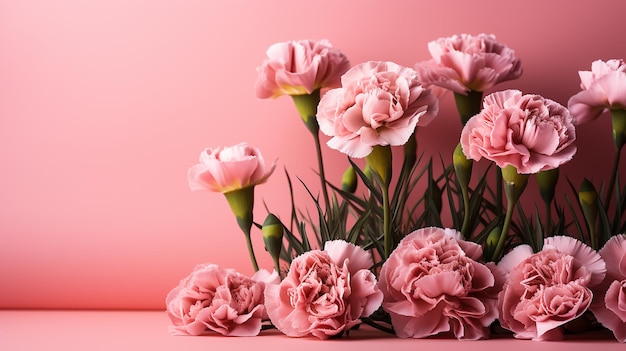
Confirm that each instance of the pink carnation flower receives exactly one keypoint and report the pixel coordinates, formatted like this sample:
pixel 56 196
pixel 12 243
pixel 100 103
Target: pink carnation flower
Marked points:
pixel 432 283
pixel 464 62
pixel 300 67
pixel 604 87
pixel 229 168
pixel 528 132
pixel 379 103
pixel 219 300
pixel 547 289
pixel 325 292
pixel 609 305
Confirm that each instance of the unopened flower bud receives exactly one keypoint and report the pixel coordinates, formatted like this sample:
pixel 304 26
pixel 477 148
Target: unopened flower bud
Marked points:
pixel 273 237
pixel 462 167
pixel 588 196
pixel 547 183
pixel 492 242
pixel 349 180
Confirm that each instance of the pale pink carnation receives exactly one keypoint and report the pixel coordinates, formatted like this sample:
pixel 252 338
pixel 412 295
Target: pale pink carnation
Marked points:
pixel 325 292
pixel 603 88
pixel 528 132
pixel 300 67
pixel 214 299
pixel 379 103
pixel 609 304
pixel 433 282
pixel 225 169
pixel 461 63
pixel 547 289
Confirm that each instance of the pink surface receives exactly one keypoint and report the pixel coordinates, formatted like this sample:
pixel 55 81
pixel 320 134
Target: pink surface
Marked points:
pixel 105 104
pixel 147 330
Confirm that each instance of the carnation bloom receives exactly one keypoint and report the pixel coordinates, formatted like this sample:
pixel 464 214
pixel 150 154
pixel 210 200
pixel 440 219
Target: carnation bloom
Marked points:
pixel 225 169
pixel 464 63
pixel 609 305
pixel 379 103
pixel 300 67
pixel 325 292
pixel 528 132
pixel 604 87
pixel 221 300
pixel 432 283
pixel 547 289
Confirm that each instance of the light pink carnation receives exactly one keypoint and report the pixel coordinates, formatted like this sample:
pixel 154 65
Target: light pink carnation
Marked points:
pixel 325 292
pixel 379 103
pixel 464 62
pixel 609 305
pixel 433 283
pixel 604 87
pixel 300 67
pixel 229 168
pixel 547 289
pixel 220 300
pixel 528 132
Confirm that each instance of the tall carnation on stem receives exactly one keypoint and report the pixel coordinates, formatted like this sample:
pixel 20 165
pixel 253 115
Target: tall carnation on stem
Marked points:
pixel 528 132
pixel 225 169
pixel 300 67
pixel 379 103
pixel 463 63
pixel 214 299
pixel 609 304
pixel 547 289
pixel 325 292
pixel 603 88
pixel 433 283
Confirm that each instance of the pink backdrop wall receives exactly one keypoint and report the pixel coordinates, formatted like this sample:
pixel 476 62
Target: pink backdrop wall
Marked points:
pixel 105 104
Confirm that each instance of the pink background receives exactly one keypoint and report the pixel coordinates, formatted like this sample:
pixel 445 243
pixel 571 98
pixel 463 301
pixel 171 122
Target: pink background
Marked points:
pixel 105 104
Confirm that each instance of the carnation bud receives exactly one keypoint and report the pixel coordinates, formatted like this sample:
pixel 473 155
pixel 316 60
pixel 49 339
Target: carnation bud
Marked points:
pixel 492 242
pixel 588 199
pixel 306 104
pixel 379 160
pixel 462 166
pixel 273 237
pixel 348 180
pixel 547 183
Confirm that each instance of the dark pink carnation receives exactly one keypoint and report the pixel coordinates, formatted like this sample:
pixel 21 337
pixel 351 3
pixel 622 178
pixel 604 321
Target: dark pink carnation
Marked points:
pixel 221 300
pixel 528 132
pixel 325 292
pixel 433 283
pixel 547 289
pixel 465 62
pixel 609 305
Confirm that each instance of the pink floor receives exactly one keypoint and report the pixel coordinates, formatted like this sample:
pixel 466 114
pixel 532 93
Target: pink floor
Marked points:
pixel 147 330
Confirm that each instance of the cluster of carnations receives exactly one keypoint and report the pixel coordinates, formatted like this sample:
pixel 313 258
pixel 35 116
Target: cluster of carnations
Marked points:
pixel 432 280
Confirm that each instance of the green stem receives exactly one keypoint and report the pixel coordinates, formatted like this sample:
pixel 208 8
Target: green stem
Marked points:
pixel 320 164
pixel 255 265
pixel 497 254
pixel 466 213
pixel 388 240
pixel 614 170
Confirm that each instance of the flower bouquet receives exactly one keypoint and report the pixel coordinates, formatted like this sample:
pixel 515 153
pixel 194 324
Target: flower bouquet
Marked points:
pixel 422 249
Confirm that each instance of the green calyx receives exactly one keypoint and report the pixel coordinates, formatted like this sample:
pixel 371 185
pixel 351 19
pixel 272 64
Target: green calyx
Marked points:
pixel 462 166
pixel 468 104
pixel 306 104
pixel 241 202
pixel 379 161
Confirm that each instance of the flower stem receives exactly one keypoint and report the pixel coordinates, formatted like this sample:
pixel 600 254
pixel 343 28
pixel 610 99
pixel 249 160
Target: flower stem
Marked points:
pixel 386 220
pixel 255 265
pixel 320 164
pixel 466 213
pixel 614 170
pixel 497 254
